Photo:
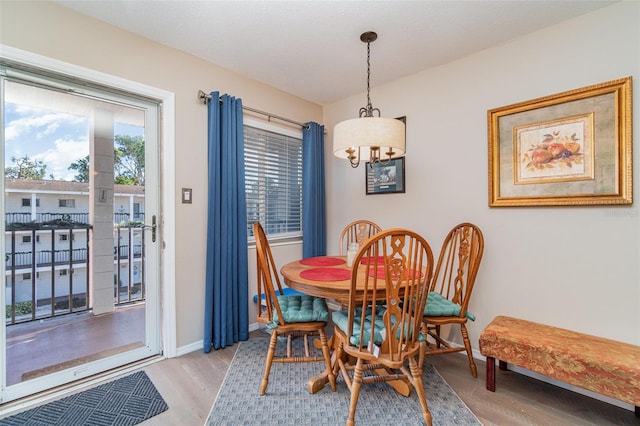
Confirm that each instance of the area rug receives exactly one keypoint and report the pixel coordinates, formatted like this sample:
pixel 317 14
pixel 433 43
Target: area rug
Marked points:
pixel 287 401
pixel 125 401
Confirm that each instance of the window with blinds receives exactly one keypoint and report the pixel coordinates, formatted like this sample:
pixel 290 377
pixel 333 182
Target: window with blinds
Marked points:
pixel 273 182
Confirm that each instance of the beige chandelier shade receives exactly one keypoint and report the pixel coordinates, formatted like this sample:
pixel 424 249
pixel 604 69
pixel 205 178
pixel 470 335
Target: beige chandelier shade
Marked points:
pixel 362 136
pixel 369 138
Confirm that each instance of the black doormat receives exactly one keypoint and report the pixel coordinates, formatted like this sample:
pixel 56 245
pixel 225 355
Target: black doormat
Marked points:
pixel 125 401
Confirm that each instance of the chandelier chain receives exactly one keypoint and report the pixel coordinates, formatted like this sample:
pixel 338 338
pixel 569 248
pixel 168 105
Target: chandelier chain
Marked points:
pixel 368 76
pixel 368 110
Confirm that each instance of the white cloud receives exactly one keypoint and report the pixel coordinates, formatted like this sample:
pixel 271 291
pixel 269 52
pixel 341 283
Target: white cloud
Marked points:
pixel 55 138
pixel 39 125
pixel 59 158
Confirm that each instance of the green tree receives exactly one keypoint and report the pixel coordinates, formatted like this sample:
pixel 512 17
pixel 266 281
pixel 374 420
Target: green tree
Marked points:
pixel 26 168
pixel 129 161
pixel 81 166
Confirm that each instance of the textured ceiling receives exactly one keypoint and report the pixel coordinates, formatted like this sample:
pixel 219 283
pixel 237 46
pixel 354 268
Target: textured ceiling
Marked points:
pixel 312 49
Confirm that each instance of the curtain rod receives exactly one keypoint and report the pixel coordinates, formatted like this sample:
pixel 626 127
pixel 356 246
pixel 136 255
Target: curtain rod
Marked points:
pixel 206 98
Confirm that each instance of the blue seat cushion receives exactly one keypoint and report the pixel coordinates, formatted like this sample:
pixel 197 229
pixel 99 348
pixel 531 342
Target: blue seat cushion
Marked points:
pixel 439 306
pixel 285 291
pixel 341 320
pixel 303 308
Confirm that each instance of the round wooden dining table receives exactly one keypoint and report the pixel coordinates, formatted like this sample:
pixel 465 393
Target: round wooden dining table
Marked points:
pixel 328 277
pixel 322 276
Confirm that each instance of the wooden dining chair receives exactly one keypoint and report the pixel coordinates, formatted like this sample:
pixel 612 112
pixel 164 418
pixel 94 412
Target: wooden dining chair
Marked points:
pixel 451 288
pixel 288 316
pixel 380 329
pixel 357 231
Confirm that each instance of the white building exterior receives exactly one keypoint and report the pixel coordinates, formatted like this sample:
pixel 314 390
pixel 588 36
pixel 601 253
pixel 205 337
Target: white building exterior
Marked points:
pixel 46 241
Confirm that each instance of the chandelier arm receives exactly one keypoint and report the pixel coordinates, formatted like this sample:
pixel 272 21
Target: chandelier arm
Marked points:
pixel 374 155
pixel 353 160
pixel 388 161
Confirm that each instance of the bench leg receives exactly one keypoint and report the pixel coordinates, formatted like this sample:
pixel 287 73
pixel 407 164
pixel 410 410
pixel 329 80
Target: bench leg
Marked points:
pixel 491 374
pixel 637 411
pixel 502 365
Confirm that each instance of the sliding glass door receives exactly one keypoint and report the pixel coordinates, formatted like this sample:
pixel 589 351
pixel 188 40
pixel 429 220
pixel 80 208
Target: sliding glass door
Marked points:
pixel 81 255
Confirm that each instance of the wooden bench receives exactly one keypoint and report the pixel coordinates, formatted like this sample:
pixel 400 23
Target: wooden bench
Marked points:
pixel 600 365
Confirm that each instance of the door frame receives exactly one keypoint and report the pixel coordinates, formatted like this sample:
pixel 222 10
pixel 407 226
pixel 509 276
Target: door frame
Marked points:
pixel 166 151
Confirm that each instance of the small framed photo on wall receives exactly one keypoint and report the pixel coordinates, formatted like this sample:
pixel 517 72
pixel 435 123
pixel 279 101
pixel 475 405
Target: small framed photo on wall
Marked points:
pixel 386 177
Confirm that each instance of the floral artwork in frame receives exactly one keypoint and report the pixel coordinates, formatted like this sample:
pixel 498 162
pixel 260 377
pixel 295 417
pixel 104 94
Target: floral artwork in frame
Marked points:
pixel 555 151
pixel 572 148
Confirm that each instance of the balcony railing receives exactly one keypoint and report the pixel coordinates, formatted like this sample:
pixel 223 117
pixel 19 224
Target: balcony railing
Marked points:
pixel 122 251
pixel 24 259
pixel 126 217
pixel 31 296
pixel 24 218
pixel 43 218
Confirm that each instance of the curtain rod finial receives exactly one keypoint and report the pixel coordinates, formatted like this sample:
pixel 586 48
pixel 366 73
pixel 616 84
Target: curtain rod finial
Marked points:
pixel 205 98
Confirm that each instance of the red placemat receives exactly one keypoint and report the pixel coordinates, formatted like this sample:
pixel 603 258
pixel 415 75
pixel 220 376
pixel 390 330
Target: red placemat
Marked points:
pixel 366 260
pixel 326 274
pixel 322 261
pixel 380 273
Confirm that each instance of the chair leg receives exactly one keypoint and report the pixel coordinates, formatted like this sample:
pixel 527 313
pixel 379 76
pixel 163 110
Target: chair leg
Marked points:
pixel 339 365
pixel 467 345
pixel 270 354
pixel 355 392
pixel 337 354
pixel 416 381
pixel 336 366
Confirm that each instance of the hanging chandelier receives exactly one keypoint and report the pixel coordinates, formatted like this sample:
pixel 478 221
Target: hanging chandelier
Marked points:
pixel 369 137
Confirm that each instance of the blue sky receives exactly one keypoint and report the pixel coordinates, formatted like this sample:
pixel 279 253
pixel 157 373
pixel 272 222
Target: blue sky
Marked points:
pixel 56 138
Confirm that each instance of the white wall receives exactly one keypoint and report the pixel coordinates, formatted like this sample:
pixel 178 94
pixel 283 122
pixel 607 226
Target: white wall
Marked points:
pixel 575 267
pixel 572 267
pixel 48 29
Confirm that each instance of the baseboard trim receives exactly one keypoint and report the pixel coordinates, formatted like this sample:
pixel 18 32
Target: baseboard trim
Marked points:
pixel 199 345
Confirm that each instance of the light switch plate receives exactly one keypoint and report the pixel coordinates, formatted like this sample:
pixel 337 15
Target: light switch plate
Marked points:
pixel 187 195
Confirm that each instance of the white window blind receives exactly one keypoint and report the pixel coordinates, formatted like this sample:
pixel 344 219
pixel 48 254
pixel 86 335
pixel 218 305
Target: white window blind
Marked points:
pixel 273 182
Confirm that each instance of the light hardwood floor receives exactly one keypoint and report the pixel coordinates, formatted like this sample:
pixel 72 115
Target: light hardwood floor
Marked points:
pixel 189 385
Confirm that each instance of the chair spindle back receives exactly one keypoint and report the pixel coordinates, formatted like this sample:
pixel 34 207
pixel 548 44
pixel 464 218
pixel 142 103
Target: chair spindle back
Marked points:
pixel 357 231
pixel 458 264
pixel 403 261
pixel 267 276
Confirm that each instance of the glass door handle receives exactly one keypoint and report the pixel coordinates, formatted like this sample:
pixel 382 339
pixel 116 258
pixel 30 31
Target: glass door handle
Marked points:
pixel 153 228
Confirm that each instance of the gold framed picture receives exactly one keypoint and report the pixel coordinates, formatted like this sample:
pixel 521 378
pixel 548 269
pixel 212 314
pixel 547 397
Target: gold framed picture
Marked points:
pixel 572 148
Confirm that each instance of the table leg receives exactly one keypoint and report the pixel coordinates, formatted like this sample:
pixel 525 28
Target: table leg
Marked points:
pixel 316 383
pixel 318 344
pixel 401 386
